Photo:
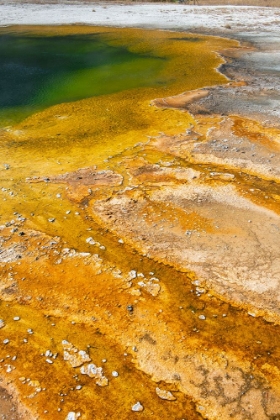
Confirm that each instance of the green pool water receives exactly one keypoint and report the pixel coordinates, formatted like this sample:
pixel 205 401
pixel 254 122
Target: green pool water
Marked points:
pixel 39 71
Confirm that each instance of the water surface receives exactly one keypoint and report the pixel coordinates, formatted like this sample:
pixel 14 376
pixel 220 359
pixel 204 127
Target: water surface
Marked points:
pixel 38 71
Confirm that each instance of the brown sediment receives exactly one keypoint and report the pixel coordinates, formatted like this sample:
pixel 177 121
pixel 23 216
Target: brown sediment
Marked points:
pixel 83 176
pixel 160 263
pixel 12 406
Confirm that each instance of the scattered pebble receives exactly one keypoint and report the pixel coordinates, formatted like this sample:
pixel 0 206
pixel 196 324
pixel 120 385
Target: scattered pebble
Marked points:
pixel 202 317
pixel 72 415
pixel 51 219
pixel 115 374
pixel 90 241
pixel 10 368
pixel 74 356
pixel 150 287
pixel 49 361
pixel 16 318
pixel 196 283
pixel 137 407
pixel 95 372
pixel 2 323
pixel 200 290
pixel 6 341
pixel 165 395
pixel 103 381
pixel 78 387
pixel 132 274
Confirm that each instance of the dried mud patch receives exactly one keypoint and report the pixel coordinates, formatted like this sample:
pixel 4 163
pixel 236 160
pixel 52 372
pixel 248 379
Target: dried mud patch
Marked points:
pixel 202 228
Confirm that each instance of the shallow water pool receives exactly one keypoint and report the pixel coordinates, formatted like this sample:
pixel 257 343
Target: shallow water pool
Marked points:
pixel 38 71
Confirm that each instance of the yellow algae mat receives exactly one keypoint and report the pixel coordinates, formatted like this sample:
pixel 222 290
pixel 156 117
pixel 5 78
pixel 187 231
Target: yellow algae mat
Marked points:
pixel 132 246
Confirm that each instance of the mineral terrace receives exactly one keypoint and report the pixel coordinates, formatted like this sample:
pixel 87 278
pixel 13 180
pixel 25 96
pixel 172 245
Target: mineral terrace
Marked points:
pixel 166 302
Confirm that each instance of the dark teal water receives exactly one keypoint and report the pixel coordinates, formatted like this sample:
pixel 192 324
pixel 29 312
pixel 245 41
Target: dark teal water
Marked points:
pixel 38 71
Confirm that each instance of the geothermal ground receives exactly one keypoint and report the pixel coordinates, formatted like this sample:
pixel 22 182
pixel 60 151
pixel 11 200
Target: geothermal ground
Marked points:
pixel 161 298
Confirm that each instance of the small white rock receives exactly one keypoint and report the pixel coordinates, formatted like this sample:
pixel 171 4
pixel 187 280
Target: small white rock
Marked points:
pixel 196 283
pixel 72 416
pixel 90 241
pixel 10 368
pixel 132 274
pixel 6 341
pixel 115 374
pixel 137 407
pixel 49 361
pixel 16 318
pixel 165 395
pixel 202 317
